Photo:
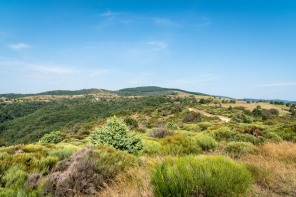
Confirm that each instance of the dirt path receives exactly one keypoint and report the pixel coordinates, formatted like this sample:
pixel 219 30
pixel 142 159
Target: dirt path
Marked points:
pixel 225 119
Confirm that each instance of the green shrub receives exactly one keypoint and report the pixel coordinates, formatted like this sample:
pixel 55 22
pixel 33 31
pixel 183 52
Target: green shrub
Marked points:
pixel 131 123
pixel 15 177
pixel 61 153
pixel 179 145
pixel 151 147
pixel 243 118
pixel 2 142
pixel 6 192
pixel 115 134
pixel 53 137
pixel 225 134
pixel 48 163
pixel 200 176
pixel 171 125
pixel 237 149
pixel 109 161
pixel 206 142
pixel 204 125
pixel 191 127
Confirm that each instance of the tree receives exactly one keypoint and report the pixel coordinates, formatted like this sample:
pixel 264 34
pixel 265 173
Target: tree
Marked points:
pixel 115 134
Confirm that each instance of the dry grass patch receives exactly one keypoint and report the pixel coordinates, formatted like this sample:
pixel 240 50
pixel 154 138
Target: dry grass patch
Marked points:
pixel 133 183
pixel 273 169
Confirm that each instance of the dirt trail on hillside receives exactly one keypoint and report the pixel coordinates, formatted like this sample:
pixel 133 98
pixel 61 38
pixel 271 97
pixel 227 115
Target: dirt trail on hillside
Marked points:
pixel 225 119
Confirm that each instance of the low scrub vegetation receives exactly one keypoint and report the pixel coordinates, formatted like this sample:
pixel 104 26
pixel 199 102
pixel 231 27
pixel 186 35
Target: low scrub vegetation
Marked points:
pixel 147 146
pixel 115 134
pixel 200 176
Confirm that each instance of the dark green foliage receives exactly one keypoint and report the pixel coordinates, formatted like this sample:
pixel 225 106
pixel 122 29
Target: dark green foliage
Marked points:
pixel 2 142
pixel 131 122
pixel 16 110
pixel 205 101
pixel 63 115
pixel 115 134
pixel 151 90
pixel 243 118
pixel 200 176
pixel 171 125
pixel 53 137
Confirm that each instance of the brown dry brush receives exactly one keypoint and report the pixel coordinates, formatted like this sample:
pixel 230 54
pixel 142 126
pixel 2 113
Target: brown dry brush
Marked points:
pixel 74 176
pixel 85 173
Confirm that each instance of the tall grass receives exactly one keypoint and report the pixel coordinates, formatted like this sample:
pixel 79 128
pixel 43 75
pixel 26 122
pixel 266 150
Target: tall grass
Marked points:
pixel 200 176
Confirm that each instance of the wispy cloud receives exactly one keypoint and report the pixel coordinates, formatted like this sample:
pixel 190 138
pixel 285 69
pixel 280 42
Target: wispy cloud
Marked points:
pixel 19 46
pixel 157 45
pixel 52 69
pixel 109 13
pixel 165 22
pixel 292 83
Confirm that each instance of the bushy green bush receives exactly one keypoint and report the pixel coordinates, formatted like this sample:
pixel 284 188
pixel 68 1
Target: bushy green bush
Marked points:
pixel 61 153
pixel 53 137
pixel 204 125
pixel 237 149
pixel 206 142
pixel 115 134
pixel 131 122
pixel 225 134
pixel 243 118
pixel 151 147
pixel 200 176
pixel 171 125
pixel 15 177
pixel 191 127
pixel 109 162
pixel 48 163
pixel 179 145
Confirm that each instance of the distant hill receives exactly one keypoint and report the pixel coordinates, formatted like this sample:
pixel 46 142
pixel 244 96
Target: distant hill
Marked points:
pixel 138 91
pixel 72 92
pixel 56 92
pixel 151 90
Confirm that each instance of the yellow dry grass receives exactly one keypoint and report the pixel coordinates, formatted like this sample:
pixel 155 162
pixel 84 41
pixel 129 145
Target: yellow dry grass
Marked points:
pixel 133 183
pixel 251 106
pixel 277 169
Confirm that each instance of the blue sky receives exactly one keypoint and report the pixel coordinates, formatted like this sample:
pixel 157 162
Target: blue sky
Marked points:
pixel 237 48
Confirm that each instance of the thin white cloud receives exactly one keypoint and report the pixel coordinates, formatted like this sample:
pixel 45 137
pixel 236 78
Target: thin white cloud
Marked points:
pixel 109 13
pixel 19 46
pixel 293 83
pixel 157 45
pixel 164 22
pixel 52 69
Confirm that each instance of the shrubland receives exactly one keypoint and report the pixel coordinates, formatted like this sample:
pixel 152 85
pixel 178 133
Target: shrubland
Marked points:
pixel 165 145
